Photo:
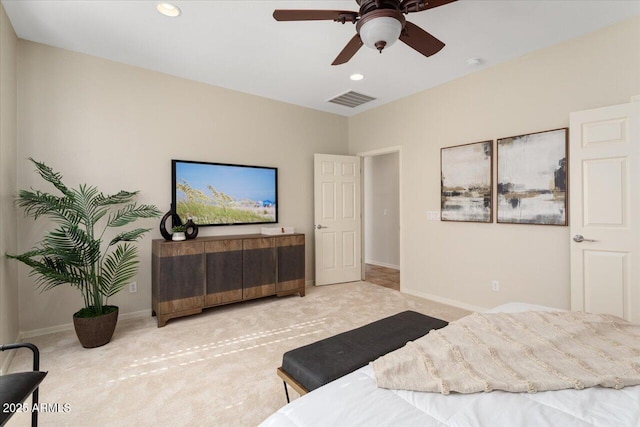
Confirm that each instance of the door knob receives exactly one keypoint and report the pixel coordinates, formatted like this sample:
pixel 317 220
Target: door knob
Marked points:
pixel 579 239
pixel 319 227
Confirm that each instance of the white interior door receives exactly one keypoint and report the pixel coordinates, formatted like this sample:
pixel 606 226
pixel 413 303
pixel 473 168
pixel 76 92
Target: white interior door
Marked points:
pixel 605 210
pixel 337 218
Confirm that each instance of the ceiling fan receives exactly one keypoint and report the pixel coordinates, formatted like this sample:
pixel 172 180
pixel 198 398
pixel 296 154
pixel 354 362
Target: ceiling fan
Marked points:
pixel 379 23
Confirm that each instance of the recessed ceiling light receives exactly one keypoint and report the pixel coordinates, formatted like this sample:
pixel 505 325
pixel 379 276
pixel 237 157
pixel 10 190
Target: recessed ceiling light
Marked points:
pixel 473 61
pixel 168 9
pixel 356 77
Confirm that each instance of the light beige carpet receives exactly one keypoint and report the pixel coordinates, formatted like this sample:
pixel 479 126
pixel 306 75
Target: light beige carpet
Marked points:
pixel 217 368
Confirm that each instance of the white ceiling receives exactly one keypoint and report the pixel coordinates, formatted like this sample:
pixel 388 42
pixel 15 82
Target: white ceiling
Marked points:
pixel 238 45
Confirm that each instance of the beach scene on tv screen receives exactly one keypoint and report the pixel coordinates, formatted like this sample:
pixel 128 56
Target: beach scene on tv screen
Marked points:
pixel 225 194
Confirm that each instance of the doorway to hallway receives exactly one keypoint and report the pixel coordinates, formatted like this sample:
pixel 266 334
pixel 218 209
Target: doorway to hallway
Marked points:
pixel 381 217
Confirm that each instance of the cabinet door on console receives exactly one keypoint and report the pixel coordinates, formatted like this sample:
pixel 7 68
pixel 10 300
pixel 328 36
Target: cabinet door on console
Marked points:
pixel 258 267
pixel 178 279
pixel 290 263
pixel 224 271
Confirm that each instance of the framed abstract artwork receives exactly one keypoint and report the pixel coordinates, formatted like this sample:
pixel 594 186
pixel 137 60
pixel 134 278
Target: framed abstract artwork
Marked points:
pixel 532 178
pixel 466 182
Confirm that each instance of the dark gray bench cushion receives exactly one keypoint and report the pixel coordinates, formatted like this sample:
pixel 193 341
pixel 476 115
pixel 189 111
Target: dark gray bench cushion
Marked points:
pixel 317 364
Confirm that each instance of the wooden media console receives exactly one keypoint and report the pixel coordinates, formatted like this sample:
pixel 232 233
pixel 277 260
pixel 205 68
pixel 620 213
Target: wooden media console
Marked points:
pixel 190 275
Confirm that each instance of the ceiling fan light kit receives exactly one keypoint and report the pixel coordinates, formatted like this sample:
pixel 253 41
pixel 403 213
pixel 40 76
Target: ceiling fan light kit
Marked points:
pixel 379 23
pixel 380 28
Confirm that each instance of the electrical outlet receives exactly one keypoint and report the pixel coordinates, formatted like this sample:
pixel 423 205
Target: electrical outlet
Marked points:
pixel 495 286
pixel 133 287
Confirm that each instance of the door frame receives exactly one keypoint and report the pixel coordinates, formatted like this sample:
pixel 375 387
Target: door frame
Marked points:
pixel 373 153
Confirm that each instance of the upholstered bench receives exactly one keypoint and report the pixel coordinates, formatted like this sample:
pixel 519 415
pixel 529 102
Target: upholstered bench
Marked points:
pixel 314 365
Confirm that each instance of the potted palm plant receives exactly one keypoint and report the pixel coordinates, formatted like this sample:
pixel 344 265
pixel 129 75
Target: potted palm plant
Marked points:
pixel 75 253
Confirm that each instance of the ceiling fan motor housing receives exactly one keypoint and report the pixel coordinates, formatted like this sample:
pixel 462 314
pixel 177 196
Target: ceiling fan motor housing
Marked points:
pixel 380 28
pixel 367 6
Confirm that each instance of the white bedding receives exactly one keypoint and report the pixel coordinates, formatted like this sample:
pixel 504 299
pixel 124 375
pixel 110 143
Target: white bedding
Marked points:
pixel 354 400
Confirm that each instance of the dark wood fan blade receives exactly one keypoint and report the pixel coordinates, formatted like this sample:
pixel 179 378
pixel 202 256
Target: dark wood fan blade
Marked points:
pixel 418 39
pixel 349 50
pixel 408 6
pixel 314 15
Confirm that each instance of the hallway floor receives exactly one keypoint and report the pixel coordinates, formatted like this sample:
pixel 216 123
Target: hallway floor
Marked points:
pixel 383 276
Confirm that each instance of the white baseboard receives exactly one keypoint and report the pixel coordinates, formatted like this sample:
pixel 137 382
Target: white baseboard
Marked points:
pixel 310 283
pixel 135 315
pixel 442 300
pixel 7 362
pixel 69 326
pixel 45 331
pixel 382 264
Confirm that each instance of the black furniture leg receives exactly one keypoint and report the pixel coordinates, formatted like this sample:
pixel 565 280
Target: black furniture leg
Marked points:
pixel 286 391
pixel 36 367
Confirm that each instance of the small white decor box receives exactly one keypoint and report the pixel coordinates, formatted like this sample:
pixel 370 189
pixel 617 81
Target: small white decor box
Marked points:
pixel 277 230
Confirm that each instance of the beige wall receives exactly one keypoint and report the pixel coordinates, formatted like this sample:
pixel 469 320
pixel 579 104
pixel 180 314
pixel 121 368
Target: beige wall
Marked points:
pixel 457 261
pixel 8 237
pixel 118 127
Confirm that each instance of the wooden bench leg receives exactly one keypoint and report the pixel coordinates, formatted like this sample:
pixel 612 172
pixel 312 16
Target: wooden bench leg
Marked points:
pixel 289 380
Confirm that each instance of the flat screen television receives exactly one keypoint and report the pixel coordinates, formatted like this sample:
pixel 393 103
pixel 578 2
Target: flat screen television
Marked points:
pixel 224 194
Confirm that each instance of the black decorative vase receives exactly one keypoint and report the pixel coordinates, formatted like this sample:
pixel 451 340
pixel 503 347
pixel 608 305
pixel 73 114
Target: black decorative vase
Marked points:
pixel 175 221
pixel 190 229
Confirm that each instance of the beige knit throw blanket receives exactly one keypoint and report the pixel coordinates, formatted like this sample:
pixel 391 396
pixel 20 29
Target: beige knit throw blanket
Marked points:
pixel 517 352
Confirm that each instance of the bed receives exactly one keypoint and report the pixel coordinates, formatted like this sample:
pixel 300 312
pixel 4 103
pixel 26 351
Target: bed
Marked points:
pixel 355 400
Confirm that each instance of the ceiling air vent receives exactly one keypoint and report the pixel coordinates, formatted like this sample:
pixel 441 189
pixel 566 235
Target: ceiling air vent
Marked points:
pixel 351 99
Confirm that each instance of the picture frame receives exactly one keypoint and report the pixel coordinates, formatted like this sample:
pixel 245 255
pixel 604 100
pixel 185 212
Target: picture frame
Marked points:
pixel 466 182
pixel 533 178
